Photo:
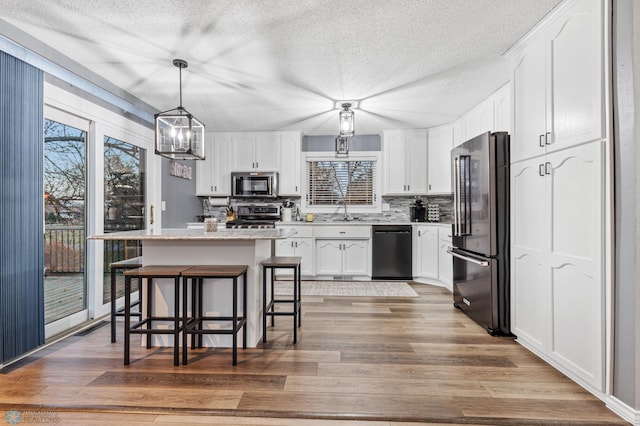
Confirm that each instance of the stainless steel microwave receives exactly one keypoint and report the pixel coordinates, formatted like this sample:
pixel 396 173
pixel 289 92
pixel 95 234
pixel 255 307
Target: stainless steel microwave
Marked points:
pixel 254 184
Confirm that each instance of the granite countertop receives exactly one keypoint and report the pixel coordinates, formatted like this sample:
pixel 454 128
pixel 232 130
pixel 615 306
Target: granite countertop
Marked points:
pixel 196 234
pixel 360 222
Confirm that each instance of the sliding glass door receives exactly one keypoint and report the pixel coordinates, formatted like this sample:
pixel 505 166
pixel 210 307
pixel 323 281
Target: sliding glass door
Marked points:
pixel 124 205
pixel 65 288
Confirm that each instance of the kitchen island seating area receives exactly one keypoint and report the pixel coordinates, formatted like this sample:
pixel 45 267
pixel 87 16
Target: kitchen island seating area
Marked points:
pixel 269 300
pixel 194 326
pixel 114 267
pixel 182 323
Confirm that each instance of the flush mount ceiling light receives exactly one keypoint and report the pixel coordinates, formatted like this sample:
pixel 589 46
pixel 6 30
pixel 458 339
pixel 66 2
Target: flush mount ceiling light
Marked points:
pixel 342 146
pixel 347 122
pixel 179 135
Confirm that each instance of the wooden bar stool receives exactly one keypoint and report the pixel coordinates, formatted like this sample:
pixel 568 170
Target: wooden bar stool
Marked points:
pixel 268 307
pixel 134 262
pixel 146 323
pixel 194 325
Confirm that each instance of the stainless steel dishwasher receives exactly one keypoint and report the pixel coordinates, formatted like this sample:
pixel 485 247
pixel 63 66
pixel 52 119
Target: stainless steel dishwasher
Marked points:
pixel 391 255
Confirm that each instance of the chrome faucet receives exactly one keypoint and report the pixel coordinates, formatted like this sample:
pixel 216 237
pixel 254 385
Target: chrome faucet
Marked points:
pixel 346 216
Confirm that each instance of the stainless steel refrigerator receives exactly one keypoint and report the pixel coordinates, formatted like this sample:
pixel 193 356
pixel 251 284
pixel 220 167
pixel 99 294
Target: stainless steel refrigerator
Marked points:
pixel 480 243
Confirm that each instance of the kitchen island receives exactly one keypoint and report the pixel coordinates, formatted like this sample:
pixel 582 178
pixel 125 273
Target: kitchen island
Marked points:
pixel 194 247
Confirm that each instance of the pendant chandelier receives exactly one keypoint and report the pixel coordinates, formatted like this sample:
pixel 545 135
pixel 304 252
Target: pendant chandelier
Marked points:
pixel 347 122
pixel 347 130
pixel 342 146
pixel 179 135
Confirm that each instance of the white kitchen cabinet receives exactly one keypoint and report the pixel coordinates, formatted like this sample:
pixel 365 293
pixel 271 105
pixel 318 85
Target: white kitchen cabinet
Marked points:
pixel 480 119
pixel 425 251
pixel 290 161
pixel 342 257
pixel 558 83
pixel 439 160
pixel 300 244
pixel 556 261
pixel 445 260
pixel 502 107
pixel 404 161
pixel 212 174
pixel 458 132
pixel 255 151
pixel 343 250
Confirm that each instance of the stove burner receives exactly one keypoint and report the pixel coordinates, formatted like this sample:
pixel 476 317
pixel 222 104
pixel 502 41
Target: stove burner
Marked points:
pixel 255 216
pixel 248 224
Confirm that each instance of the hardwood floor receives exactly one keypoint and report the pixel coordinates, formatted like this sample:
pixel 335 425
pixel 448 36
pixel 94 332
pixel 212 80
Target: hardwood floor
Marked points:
pixel 358 361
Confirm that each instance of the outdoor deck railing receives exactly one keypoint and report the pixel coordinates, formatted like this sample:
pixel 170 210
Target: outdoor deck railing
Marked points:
pixel 65 245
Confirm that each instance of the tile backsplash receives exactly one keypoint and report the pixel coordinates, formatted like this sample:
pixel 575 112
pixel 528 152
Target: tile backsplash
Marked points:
pixel 398 208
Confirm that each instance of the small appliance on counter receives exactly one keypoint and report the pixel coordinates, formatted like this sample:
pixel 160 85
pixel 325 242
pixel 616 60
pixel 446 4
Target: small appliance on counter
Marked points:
pixel 417 212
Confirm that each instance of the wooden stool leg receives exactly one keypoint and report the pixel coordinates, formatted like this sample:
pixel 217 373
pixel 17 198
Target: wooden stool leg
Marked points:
pixel 127 318
pixel 235 321
pixel 113 305
pixel 244 310
pixel 200 310
pixel 149 308
pixel 176 321
pixel 295 306
pixel 264 304
pixel 299 297
pixel 184 320
pixel 273 295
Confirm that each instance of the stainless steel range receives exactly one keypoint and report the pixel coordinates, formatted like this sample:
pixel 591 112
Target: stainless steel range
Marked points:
pixel 255 216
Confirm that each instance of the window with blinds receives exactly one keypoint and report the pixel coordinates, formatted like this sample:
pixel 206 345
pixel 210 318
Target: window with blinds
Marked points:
pixel 331 182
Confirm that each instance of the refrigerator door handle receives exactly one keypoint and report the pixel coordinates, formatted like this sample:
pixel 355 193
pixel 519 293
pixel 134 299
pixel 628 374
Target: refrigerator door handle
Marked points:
pixel 456 197
pixel 461 196
pixel 478 262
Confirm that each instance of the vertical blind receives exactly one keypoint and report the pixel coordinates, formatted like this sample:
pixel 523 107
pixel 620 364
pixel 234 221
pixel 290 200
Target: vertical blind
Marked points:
pixel 332 182
pixel 21 208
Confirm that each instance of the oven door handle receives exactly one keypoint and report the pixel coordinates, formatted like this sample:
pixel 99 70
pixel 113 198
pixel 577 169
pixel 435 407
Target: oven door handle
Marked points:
pixel 478 262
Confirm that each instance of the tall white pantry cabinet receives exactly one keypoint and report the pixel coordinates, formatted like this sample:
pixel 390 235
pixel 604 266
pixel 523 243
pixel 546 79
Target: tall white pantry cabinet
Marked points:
pixel 558 191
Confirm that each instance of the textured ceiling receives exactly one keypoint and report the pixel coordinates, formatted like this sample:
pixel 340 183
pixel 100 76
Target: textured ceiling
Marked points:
pixel 282 64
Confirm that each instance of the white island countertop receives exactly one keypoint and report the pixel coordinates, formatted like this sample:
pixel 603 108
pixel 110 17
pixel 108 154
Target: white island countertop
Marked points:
pixel 182 234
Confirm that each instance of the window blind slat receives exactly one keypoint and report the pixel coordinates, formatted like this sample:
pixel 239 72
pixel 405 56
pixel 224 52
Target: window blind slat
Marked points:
pixel 332 182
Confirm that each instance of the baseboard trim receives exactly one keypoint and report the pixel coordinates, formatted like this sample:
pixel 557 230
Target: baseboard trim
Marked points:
pixel 623 410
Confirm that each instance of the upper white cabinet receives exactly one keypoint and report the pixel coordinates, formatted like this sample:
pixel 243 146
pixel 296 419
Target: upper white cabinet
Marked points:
pixel 212 173
pixel 290 162
pixel 558 83
pixel 502 106
pixel 404 161
pixel 439 160
pixel 479 120
pixel 255 151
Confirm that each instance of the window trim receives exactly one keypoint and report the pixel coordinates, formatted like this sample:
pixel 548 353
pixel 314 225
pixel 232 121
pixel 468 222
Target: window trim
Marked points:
pixel 376 207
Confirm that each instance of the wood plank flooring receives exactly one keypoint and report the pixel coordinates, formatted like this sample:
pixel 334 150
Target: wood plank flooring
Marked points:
pixel 359 361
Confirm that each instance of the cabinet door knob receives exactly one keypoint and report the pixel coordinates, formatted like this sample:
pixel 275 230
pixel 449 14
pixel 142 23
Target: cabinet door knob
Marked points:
pixel 541 169
pixel 547 168
pixel 541 143
pixel 547 138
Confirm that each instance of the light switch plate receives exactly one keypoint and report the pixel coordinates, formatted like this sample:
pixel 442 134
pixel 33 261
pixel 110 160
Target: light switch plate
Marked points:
pixel 386 207
pixel 163 205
